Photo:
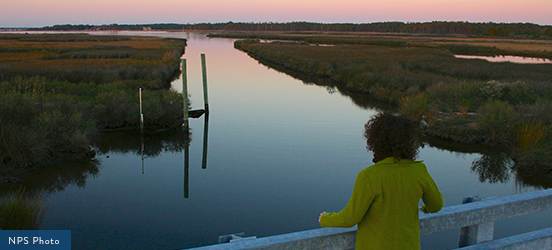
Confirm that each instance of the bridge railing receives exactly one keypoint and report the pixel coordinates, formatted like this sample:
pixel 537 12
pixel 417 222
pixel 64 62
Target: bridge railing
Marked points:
pixel 475 221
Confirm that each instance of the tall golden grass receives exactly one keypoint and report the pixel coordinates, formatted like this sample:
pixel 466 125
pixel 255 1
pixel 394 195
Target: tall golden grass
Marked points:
pixel 532 134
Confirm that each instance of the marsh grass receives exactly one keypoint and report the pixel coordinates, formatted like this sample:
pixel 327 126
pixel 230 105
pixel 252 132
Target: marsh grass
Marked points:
pixel 458 45
pixel 425 80
pixel 391 73
pixel 502 105
pixel 39 128
pixel 20 211
pixel 59 91
pixel 531 135
pixel 83 58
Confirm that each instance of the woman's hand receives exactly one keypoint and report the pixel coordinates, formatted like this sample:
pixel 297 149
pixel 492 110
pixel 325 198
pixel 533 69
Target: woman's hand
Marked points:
pixel 320 217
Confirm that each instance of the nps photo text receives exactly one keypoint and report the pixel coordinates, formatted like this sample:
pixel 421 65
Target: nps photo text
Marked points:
pixel 35 239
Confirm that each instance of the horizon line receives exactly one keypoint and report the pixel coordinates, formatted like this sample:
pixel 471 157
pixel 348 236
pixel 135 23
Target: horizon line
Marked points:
pixel 288 22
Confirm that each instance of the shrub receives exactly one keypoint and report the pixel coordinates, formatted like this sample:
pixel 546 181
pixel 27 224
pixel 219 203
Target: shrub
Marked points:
pixel 162 108
pixel 519 93
pixel 493 90
pixel 499 120
pixel 417 107
pixel 114 109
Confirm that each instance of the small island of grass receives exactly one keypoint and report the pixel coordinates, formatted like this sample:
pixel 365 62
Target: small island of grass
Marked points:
pixel 59 90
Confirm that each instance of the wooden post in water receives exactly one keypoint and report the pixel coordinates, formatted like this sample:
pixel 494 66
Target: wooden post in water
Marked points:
pixel 204 73
pixel 185 93
pixel 141 114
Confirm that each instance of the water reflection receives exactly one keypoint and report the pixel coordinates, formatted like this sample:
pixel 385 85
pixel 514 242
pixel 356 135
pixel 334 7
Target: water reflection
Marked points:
pixel 153 144
pixel 205 141
pixel 533 175
pixel 497 165
pixel 24 193
pixel 53 179
pixel 187 157
pixel 494 165
pixel 147 144
pixel 23 202
pixel 363 100
pixel 513 59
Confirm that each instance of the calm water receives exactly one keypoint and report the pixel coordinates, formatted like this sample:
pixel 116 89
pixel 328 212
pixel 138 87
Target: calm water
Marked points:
pixel 279 152
pixel 514 59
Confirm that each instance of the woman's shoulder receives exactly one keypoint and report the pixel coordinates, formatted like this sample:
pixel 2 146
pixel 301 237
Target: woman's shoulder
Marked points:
pixel 390 163
pixel 393 160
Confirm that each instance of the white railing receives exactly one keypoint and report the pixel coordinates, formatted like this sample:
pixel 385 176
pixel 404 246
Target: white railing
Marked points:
pixel 475 221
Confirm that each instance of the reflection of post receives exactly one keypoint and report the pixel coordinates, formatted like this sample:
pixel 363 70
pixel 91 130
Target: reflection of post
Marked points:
pixel 142 149
pixel 205 140
pixel 204 73
pixel 141 130
pixel 186 167
pixel 185 93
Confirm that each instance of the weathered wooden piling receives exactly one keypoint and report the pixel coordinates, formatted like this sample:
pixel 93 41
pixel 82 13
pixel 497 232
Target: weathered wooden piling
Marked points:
pixel 204 73
pixel 185 93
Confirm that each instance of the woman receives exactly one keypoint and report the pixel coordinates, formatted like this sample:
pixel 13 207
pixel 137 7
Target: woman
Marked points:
pixel 385 197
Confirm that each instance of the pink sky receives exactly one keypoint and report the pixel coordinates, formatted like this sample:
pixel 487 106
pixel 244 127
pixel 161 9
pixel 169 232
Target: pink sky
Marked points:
pixel 38 13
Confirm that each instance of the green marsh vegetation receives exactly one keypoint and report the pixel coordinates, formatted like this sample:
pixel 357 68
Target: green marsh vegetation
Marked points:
pixel 503 105
pixel 60 91
pixel 20 211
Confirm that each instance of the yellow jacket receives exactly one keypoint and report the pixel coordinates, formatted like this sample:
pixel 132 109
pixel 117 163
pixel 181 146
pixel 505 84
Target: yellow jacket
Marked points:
pixel 384 204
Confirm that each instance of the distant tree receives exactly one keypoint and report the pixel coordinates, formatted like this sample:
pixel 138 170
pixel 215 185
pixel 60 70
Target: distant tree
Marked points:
pixel 435 27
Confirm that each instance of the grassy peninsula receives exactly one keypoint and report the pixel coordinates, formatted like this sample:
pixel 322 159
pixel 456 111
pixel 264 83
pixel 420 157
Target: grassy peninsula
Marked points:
pixel 60 90
pixel 505 105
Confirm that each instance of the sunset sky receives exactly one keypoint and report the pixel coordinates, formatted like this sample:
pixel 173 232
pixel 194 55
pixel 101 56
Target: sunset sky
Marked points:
pixel 39 13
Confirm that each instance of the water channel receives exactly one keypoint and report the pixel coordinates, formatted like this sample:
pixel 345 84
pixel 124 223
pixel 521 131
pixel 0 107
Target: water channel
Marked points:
pixel 279 152
pixel 513 59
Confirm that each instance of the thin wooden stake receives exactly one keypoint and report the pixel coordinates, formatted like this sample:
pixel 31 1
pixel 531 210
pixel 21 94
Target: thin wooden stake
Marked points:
pixel 141 113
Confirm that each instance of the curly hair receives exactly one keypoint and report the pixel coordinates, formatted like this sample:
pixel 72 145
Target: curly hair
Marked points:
pixel 392 135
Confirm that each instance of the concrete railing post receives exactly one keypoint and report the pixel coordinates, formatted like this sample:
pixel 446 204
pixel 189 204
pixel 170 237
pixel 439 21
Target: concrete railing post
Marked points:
pixel 475 234
pixel 476 220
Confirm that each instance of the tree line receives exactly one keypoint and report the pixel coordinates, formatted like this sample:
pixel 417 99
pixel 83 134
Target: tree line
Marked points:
pixel 435 27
